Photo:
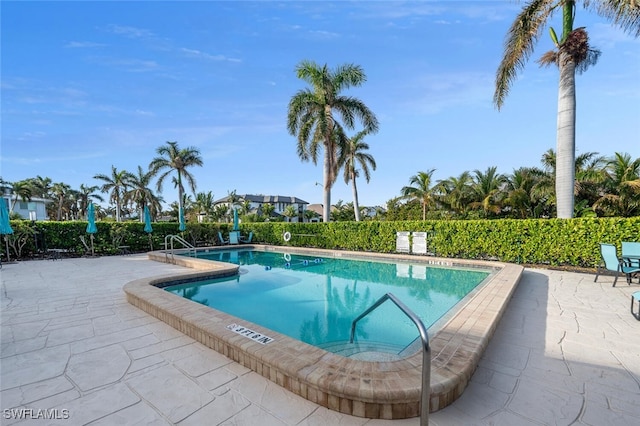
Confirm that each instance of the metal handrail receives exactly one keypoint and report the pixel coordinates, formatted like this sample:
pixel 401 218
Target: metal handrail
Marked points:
pixel 171 239
pixel 426 350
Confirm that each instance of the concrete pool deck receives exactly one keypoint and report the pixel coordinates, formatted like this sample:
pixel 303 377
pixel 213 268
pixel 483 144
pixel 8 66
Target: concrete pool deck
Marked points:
pixel 567 351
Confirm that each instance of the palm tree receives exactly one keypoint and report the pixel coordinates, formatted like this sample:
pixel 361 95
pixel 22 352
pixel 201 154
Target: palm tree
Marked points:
pixel 311 116
pixel 289 212
pixel 85 194
pixel 622 187
pixel 21 190
pixel 420 189
pixel 267 209
pixel 520 195
pixel 171 158
pixel 60 191
pixel 573 55
pixel 204 204
pixel 352 154
pixel 118 184
pixel 488 188
pixel 41 186
pixel 456 192
pixel 140 194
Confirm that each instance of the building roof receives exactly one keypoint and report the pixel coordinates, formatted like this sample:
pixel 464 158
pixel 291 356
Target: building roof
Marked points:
pixel 264 199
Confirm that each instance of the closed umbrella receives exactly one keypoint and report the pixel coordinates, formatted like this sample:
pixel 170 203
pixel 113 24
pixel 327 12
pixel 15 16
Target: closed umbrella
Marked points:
pixel 183 225
pixel 147 225
pixel 91 226
pixel 235 220
pixel 5 226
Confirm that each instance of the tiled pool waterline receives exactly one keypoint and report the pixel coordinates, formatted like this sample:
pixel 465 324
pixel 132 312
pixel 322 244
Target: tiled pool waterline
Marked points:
pixel 371 389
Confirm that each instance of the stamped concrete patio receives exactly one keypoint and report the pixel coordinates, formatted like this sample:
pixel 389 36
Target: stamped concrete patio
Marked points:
pixel 567 351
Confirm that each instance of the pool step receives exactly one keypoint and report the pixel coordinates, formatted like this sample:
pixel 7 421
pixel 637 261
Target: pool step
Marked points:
pixel 369 351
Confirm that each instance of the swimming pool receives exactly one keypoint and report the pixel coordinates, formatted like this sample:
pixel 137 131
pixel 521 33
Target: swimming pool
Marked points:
pixel 322 296
pixel 381 389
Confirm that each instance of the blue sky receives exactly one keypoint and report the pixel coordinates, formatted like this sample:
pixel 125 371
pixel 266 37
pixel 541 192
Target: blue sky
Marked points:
pixel 87 85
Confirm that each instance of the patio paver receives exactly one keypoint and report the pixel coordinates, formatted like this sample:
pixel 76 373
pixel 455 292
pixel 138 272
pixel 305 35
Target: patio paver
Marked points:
pixel 567 351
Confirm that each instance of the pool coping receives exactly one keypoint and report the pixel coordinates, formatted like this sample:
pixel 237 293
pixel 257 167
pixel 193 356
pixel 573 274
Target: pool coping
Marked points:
pixel 370 389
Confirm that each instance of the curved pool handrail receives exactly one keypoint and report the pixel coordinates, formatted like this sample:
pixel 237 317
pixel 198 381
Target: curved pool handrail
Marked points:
pixel 426 350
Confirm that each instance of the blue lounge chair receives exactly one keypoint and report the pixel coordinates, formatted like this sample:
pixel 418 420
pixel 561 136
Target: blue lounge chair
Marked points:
pixel 613 263
pixel 221 238
pixel 631 253
pixel 233 237
pixel 248 239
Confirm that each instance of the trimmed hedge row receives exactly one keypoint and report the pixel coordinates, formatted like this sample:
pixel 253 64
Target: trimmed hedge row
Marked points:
pixel 572 242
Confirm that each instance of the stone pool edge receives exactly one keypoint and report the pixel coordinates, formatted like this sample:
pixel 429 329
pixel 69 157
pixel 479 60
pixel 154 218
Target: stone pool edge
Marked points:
pixel 385 390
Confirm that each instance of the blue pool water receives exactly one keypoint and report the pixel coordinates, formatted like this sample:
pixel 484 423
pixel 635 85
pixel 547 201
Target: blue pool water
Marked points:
pixel 315 299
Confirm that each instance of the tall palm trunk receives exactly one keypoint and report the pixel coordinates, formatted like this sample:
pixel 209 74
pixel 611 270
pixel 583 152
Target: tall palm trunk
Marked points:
pixel 326 208
pixel 566 130
pixel 356 206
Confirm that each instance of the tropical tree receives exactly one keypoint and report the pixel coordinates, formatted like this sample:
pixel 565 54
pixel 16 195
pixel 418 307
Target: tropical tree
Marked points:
pixel 173 159
pixel 573 54
pixel 622 186
pixel 20 190
pixel 60 191
pixel 140 193
pixel 487 189
pixel 85 195
pixel 312 116
pixel 520 197
pixel 41 186
pixel 456 192
pixel 267 209
pixel 354 154
pixel 117 184
pixel 290 212
pixel 203 204
pixel 421 189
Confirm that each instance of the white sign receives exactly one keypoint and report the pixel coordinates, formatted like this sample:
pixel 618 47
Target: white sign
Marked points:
pixel 250 334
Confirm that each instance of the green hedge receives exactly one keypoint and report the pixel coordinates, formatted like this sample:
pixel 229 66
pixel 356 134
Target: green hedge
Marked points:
pixel 572 242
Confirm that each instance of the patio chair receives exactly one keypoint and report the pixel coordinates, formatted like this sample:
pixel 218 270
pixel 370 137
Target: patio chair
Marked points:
pixel 87 249
pixel 248 239
pixel 613 263
pixel 221 238
pixel 631 253
pixel 233 237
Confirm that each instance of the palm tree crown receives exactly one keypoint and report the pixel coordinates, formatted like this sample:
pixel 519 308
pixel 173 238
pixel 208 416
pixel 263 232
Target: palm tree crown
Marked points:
pixel 420 189
pixel 312 116
pixel 352 155
pixel 117 183
pixel 171 158
pixel 573 55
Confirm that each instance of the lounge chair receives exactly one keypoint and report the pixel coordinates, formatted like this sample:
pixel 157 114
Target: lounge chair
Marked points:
pixel 248 239
pixel 613 263
pixel 221 238
pixel 631 253
pixel 87 249
pixel 233 237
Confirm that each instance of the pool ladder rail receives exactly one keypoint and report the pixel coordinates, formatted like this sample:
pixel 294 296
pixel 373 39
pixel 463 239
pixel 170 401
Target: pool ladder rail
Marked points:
pixel 168 246
pixel 426 350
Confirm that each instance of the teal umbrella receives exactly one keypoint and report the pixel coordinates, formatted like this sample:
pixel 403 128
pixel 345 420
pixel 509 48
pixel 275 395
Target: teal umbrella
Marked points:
pixel 5 225
pixel 147 225
pixel 235 220
pixel 91 226
pixel 183 225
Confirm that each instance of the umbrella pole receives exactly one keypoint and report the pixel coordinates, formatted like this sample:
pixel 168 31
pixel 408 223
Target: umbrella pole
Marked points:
pixel 6 240
pixel 92 253
pixel 150 242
